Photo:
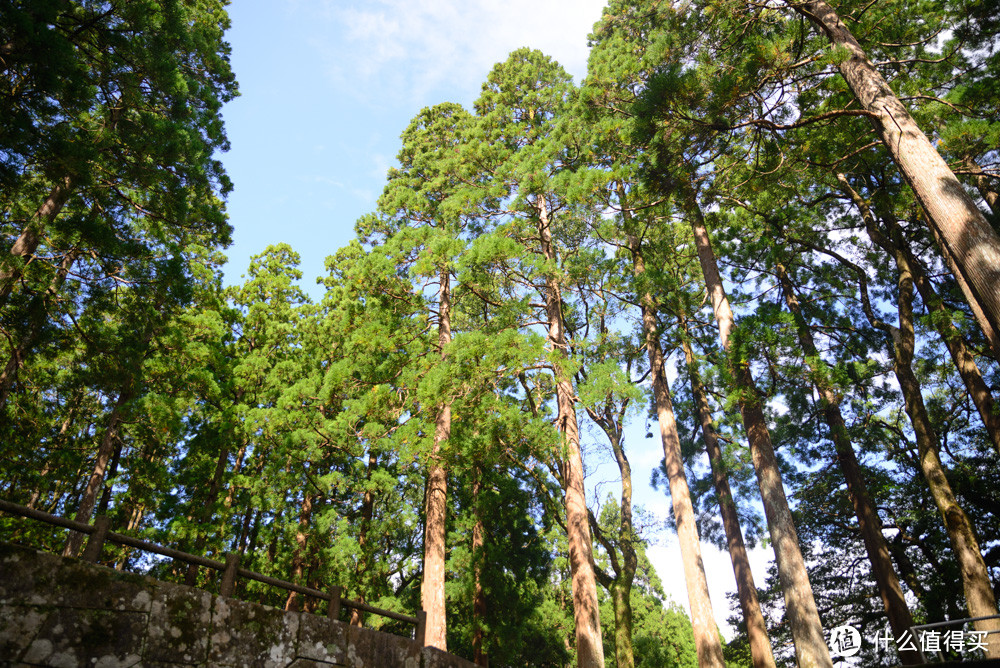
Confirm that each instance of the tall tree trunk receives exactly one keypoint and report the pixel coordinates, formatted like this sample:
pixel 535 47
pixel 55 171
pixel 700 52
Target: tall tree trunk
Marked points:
pixel 432 588
pixel 985 185
pixel 237 467
pixel 102 505
pixel 746 590
pixel 869 522
pixel 299 555
pixel 975 578
pixel 619 586
pixel 104 453
pixel 965 363
pixel 24 247
pixel 37 311
pixel 478 562
pixel 964 231
pixel 622 591
pixel 205 512
pixel 800 605
pixel 364 564
pixel 586 613
pixel 992 336
pixel 706 634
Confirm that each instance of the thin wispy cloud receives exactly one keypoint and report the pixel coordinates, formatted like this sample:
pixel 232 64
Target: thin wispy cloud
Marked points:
pixel 402 50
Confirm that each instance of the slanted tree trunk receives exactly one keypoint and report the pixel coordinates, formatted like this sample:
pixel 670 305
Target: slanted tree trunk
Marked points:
pixel 432 588
pixel 869 522
pixel 38 309
pixel 104 452
pixel 979 596
pixel 746 590
pixel 102 505
pixel 586 614
pixel 985 185
pixel 965 363
pixel 24 246
pixel 992 336
pixel 964 232
pixel 706 633
pixel 800 605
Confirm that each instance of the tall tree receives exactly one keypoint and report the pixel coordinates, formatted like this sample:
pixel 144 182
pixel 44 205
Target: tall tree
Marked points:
pixel 520 109
pixel 800 605
pixel 420 196
pixel 965 234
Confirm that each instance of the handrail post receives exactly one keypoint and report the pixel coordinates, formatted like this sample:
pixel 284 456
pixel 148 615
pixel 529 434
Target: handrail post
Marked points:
pixel 229 575
pixel 333 612
pixel 421 632
pixel 95 542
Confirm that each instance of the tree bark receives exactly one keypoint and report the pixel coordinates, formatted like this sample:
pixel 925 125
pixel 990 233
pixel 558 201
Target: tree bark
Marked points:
pixel 104 453
pixel 979 596
pixel 800 605
pixel 965 363
pixel 586 614
pixel 432 595
pixel 706 633
pixel 191 576
pixel 619 586
pixel 364 564
pixel 26 243
pixel 299 555
pixel 746 590
pixel 962 229
pixel 985 185
pixel 869 522
pixel 37 311
pixel 478 562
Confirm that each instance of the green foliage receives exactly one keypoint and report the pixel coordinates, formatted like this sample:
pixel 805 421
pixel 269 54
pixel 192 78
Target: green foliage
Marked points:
pixel 250 419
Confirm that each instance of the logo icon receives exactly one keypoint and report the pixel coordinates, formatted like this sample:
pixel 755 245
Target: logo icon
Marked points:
pixel 844 641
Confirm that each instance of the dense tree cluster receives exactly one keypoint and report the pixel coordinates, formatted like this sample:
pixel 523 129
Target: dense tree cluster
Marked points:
pixel 791 206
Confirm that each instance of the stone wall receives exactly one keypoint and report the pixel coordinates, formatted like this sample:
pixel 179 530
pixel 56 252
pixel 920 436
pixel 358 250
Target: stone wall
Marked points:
pixel 68 613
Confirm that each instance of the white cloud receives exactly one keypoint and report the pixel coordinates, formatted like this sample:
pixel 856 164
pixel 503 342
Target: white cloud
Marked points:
pixel 413 50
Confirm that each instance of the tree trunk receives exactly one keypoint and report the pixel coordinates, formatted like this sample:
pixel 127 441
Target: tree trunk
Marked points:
pixel 746 590
pixel 191 576
pixel 478 562
pixel 975 579
pixel 965 363
pixel 706 633
pixel 985 185
pixel 25 245
pixel 432 594
pixel 364 565
pixel 37 311
pixel 619 586
pixel 800 605
pixel 104 453
pixel 299 556
pixel 964 232
pixel 586 614
pixel 869 522
pixel 102 505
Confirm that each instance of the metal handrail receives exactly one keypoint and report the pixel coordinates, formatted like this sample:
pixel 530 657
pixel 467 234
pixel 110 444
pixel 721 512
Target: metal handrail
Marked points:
pixel 99 533
pixel 916 629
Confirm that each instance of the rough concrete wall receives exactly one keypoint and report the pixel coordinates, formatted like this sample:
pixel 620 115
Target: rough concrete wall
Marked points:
pixel 68 613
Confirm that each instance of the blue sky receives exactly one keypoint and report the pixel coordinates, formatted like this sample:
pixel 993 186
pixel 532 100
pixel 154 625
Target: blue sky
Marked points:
pixel 327 87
